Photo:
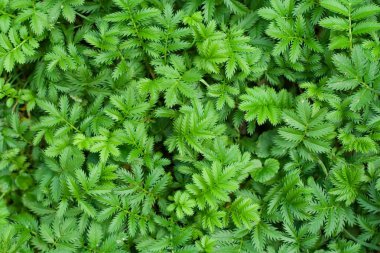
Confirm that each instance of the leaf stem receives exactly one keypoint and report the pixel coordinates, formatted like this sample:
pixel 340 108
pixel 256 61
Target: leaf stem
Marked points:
pixel 82 16
pixel 350 25
pixel 365 244
pixel 319 161
pixel 8 14
pixel 204 82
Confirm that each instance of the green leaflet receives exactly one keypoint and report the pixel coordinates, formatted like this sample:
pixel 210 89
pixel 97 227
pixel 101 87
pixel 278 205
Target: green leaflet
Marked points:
pixel 264 104
pixel 306 131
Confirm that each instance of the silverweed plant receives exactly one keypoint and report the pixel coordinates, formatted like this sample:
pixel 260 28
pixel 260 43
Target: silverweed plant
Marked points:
pixel 147 126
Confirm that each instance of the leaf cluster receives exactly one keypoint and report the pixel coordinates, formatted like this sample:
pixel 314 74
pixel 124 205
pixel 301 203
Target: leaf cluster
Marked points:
pixel 189 126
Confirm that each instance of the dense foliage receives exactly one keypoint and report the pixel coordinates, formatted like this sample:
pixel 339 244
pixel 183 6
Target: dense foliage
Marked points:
pixel 190 126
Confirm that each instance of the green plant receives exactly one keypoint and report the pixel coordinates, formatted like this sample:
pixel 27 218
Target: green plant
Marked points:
pixel 190 126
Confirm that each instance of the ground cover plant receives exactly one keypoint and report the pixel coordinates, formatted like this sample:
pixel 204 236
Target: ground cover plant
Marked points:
pixel 190 126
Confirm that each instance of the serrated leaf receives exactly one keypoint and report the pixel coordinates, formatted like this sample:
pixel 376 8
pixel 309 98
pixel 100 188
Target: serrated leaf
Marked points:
pixel 366 27
pixel 95 235
pixel 365 11
pixel 335 6
pixel 361 99
pixel 340 83
pixel 335 23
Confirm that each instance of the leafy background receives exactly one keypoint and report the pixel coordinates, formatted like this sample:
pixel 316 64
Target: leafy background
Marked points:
pixel 189 126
